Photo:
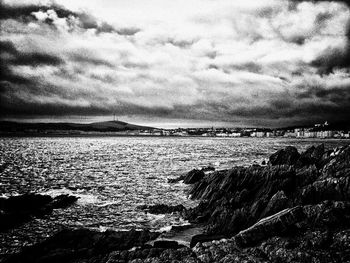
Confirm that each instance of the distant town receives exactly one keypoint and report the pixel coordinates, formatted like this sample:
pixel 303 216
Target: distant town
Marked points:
pixel 119 128
pixel 317 131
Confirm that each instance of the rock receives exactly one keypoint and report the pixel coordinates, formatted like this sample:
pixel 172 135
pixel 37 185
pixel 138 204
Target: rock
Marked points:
pixel 175 180
pixel 228 205
pixel 166 244
pixel 63 201
pixel 82 245
pixel 16 210
pixel 276 224
pixel 288 155
pixel 278 202
pixel 337 189
pixel 204 238
pixel 339 165
pixel 328 214
pixel 162 208
pixel 208 169
pixel 313 155
pixel 26 202
pixel 194 176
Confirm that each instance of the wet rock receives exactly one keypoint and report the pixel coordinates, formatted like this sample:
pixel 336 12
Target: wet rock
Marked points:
pixel 337 189
pixel 204 238
pixel 278 202
pixel 312 156
pixel 235 199
pixel 63 201
pixel 288 155
pixel 341 240
pixel 170 255
pixel 328 214
pixel 208 169
pixel 176 180
pixel 166 244
pixel 279 223
pixel 339 164
pixel 162 208
pixel 84 245
pixel 194 176
pixel 16 210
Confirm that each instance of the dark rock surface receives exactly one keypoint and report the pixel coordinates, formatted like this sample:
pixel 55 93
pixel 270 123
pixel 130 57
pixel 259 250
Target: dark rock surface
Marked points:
pixel 16 210
pixel 295 209
pixel 288 155
pixel 83 245
pixel 162 208
pixel 192 176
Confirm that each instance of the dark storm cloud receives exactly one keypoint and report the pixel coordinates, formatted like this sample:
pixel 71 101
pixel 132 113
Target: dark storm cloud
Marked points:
pixel 25 13
pixel 35 59
pixel 338 95
pixel 85 57
pixel 11 56
pixel 332 58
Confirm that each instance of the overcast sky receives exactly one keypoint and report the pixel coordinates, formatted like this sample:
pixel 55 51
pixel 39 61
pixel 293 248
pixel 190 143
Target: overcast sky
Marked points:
pixel 176 62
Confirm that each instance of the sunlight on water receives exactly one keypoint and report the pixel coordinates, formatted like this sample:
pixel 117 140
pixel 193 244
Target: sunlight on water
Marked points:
pixel 113 175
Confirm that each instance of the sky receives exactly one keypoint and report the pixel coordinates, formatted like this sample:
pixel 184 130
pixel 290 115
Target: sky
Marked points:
pixel 266 63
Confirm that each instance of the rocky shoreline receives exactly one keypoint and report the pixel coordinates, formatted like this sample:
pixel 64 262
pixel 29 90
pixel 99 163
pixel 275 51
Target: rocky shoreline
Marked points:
pixel 296 208
pixel 16 210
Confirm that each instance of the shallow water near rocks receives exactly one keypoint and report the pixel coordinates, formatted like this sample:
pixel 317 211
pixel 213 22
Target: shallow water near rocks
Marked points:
pixel 113 175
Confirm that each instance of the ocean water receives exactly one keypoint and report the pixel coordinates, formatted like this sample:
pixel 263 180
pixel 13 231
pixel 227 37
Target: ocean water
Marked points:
pixel 114 175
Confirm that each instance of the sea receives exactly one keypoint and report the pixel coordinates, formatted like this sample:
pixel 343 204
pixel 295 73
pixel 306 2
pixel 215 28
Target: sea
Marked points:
pixel 112 176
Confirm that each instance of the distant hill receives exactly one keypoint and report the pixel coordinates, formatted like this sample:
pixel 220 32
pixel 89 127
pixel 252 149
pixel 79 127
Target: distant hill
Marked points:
pixel 107 126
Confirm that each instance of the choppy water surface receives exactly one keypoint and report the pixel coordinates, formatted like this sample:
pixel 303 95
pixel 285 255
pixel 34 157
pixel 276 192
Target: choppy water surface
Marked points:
pixel 113 175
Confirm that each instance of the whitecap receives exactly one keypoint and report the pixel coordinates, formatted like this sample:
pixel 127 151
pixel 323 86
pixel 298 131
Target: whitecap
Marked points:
pixel 108 203
pixel 84 199
pixel 165 229
pixel 156 217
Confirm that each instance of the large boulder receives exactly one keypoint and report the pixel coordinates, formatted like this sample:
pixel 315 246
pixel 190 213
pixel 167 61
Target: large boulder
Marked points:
pixel 288 155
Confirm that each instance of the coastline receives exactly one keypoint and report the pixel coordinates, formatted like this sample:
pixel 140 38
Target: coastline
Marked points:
pixel 100 134
pixel 297 204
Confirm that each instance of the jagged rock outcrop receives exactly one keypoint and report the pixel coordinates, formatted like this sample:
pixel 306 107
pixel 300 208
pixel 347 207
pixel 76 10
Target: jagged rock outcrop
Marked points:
pixel 192 176
pixel 288 155
pixel 296 209
pixel 279 223
pixel 16 210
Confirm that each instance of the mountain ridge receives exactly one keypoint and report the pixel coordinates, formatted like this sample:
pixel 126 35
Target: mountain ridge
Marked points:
pixel 106 126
